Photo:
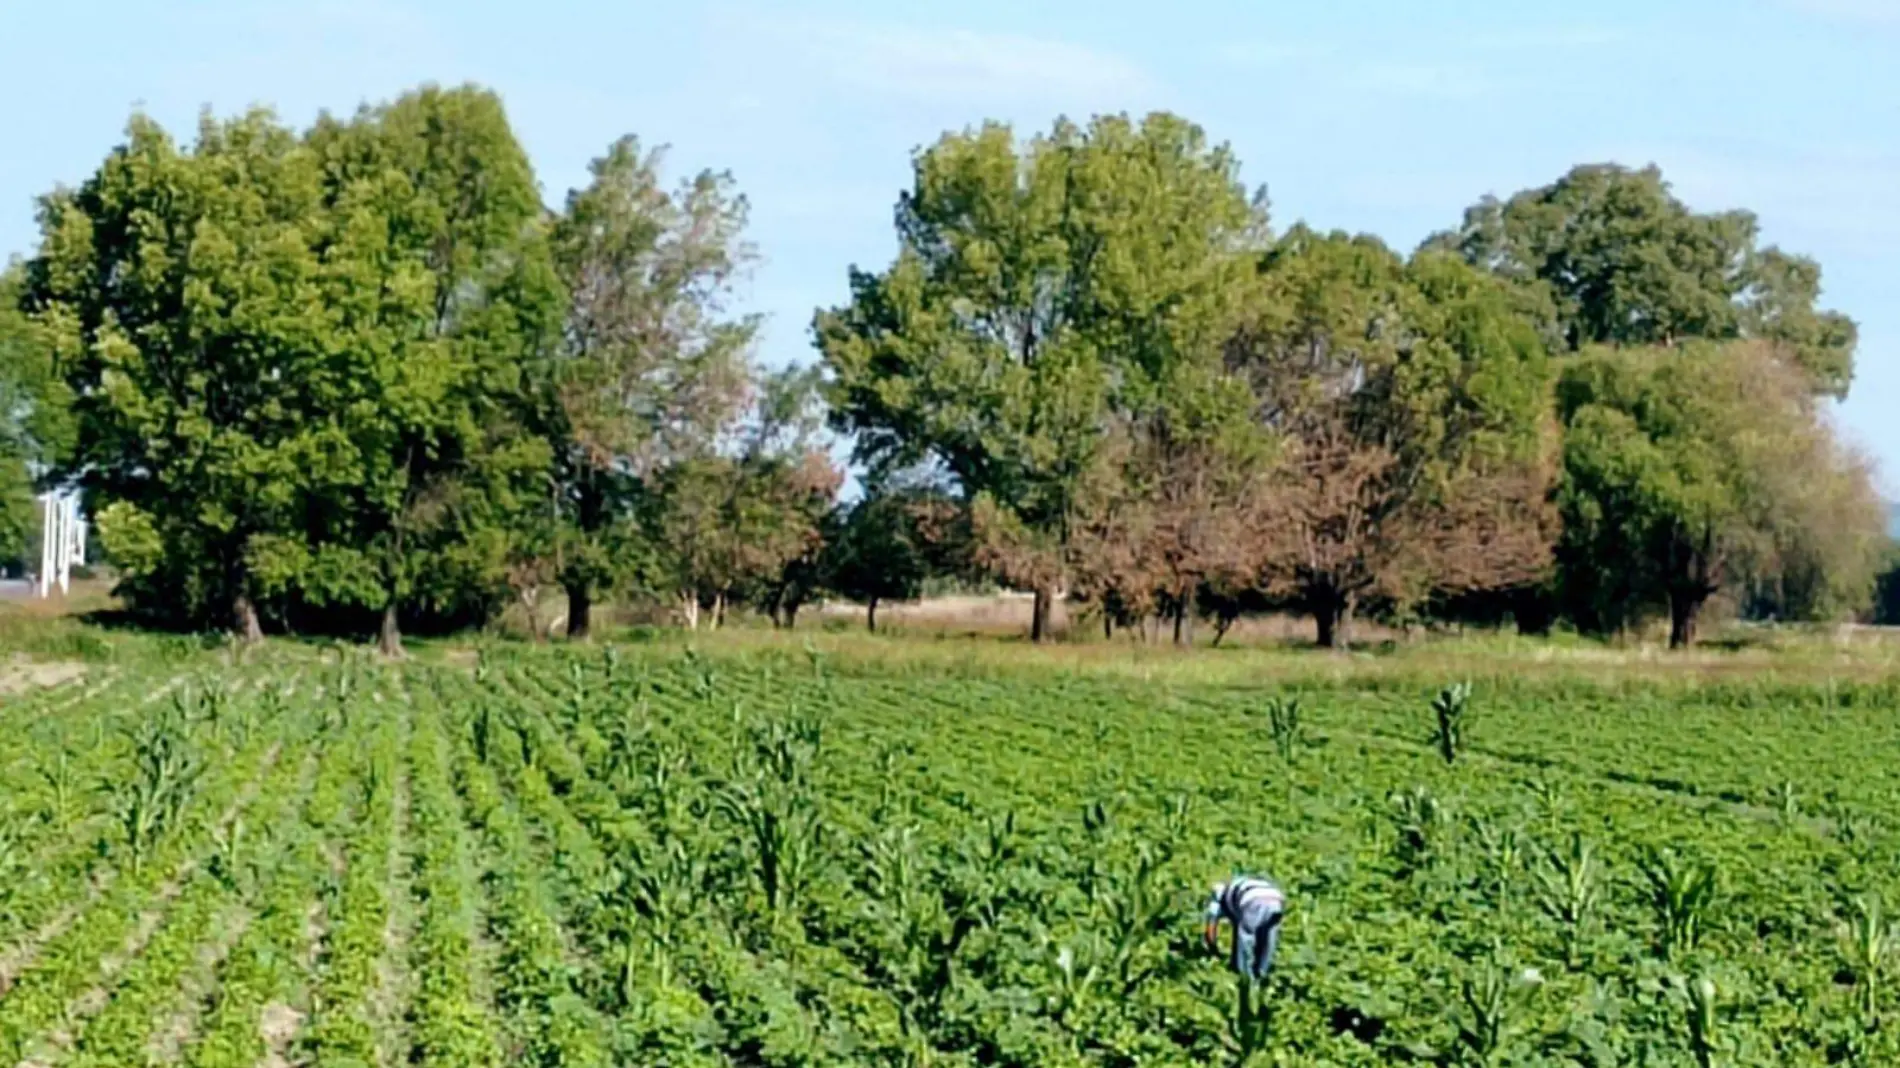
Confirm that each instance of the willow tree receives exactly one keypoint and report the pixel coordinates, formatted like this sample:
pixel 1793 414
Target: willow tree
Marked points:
pixel 651 365
pixel 1689 472
pixel 1039 286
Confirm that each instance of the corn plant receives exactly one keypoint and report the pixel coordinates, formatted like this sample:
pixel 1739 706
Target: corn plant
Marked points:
pixel 1682 893
pixel 1451 718
pixel 1135 905
pixel 1492 995
pixel 1504 855
pixel 1704 1026
pixel 11 858
pixel 227 855
pixel 782 829
pixel 1283 721
pixel 1098 824
pixel 482 730
pixel 1249 1025
pixel 1548 794
pixel 1568 888
pixel 1418 818
pixel 165 772
pixel 1786 802
pixel 1072 987
pixel 1867 943
pixel 62 788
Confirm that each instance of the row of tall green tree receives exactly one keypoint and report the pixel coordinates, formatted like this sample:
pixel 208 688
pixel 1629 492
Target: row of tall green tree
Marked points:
pixel 362 377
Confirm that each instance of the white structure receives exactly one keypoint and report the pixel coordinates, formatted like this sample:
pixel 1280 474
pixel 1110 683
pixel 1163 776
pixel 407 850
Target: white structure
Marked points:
pixel 62 540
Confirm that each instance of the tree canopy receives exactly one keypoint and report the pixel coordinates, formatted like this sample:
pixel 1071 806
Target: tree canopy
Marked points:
pixel 1687 472
pixel 360 377
pixel 1039 289
pixel 1627 263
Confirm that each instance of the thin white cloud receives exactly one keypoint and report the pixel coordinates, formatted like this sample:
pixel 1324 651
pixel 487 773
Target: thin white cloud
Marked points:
pixel 1430 80
pixel 964 66
pixel 1841 197
pixel 1542 38
pixel 1873 12
pixel 1260 55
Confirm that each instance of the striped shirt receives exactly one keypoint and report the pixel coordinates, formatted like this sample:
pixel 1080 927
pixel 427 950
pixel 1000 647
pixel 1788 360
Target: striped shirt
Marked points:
pixel 1245 896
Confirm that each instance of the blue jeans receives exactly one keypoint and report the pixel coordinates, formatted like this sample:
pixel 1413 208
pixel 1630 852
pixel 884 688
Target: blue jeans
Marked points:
pixel 1256 938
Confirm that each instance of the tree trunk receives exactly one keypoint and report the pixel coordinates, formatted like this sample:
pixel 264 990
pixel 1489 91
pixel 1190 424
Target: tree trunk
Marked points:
pixel 1222 624
pixel 1684 606
pixel 1326 619
pixel 1039 614
pixel 791 616
pixel 1332 613
pixel 250 630
pixel 1183 623
pixel 689 609
pixel 389 638
pixel 530 598
pixel 1108 625
pixel 870 615
pixel 580 612
pixel 719 610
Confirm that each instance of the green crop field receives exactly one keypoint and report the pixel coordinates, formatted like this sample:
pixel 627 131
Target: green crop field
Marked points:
pixel 759 854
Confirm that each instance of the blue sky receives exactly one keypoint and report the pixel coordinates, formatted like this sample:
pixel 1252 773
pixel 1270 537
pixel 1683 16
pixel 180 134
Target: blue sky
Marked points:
pixel 1388 117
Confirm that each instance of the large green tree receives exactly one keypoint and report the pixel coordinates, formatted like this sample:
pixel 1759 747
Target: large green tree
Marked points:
pixel 1700 470
pixel 1628 263
pixel 1039 286
pixel 1412 403
pixel 651 365
pixel 439 281
pixel 181 291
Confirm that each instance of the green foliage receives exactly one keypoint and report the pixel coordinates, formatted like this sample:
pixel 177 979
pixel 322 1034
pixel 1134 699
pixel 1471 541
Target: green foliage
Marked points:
pixel 1568 889
pixel 1688 471
pixel 1408 397
pixel 1284 723
pixel 950 862
pixel 35 423
pixel 1867 946
pixel 1036 292
pixel 1451 718
pixel 649 370
pixel 1626 263
pixel 1682 892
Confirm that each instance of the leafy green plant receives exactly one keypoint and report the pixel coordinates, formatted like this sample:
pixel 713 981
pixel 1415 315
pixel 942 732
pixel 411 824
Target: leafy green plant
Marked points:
pixel 1867 945
pixel 1700 999
pixel 1491 995
pixel 1682 892
pixel 1418 818
pixel 1568 885
pixel 1504 856
pixel 1283 721
pixel 1451 720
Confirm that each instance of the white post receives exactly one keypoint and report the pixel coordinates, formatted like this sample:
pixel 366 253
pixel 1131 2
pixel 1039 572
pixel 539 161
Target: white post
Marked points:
pixel 46 545
pixel 68 512
pixel 62 541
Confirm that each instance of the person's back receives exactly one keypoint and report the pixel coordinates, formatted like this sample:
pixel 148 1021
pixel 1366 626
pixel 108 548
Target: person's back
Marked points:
pixel 1254 905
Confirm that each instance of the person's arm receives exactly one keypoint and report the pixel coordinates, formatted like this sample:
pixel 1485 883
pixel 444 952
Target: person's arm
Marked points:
pixel 1210 927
